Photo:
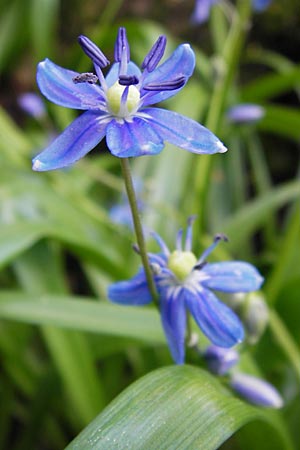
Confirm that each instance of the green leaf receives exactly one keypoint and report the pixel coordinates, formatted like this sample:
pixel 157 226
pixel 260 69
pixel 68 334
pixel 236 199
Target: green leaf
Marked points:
pixel 85 315
pixel 255 213
pixel 17 237
pixel 43 31
pixel 282 120
pixel 271 85
pixel 178 407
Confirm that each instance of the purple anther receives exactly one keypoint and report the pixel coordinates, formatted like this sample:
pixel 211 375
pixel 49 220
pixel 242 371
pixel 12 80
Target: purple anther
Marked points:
pixel 122 46
pixel 166 85
pixel 93 52
pixel 87 77
pixel 220 237
pixel 155 54
pixel 128 80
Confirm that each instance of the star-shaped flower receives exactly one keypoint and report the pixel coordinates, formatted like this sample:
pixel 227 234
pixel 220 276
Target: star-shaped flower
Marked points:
pixel 119 108
pixel 185 283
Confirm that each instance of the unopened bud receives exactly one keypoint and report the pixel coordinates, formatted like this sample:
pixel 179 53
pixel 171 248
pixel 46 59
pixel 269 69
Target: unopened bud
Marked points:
pixel 255 316
pixel 256 391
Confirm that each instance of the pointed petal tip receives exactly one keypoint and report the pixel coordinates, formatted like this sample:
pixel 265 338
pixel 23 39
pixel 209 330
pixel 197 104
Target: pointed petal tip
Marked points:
pixel 221 147
pixel 37 165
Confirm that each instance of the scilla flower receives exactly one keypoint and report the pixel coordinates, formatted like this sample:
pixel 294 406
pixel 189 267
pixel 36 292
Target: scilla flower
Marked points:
pixel 245 113
pixel 185 283
pixel 202 9
pixel 119 107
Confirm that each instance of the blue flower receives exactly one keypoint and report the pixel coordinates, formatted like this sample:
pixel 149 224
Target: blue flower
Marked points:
pixel 245 113
pixel 202 9
pixel 32 104
pixel 120 107
pixel 185 283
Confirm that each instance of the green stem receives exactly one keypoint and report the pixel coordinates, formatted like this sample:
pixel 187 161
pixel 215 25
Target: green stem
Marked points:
pixel 285 341
pixel 138 227
pixel 229 58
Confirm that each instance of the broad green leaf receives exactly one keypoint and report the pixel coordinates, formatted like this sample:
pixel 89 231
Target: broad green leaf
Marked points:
pixel 83 314
pixel 178 407
pixel 70 351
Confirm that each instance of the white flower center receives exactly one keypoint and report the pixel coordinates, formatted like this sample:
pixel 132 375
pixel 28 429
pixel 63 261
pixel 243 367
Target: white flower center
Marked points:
pixel 114 99
pixel 181 263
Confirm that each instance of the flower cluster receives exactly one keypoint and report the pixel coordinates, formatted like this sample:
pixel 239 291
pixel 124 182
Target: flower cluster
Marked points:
pixel 119 108
pixel 185 283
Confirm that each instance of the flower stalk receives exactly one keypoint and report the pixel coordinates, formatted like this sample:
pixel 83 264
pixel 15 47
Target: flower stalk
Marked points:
pixel 138 227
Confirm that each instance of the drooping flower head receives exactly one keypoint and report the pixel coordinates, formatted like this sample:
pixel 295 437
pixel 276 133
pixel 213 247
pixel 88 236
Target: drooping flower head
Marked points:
pixel 119 107
pixel 185 283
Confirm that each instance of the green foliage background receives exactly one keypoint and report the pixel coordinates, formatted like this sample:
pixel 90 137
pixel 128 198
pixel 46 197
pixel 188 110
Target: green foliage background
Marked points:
pixel 66 352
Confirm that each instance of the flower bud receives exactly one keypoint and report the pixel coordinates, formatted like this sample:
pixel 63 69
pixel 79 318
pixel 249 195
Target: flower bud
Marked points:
pixel 255 316
pixel 220 360
pixel 256 391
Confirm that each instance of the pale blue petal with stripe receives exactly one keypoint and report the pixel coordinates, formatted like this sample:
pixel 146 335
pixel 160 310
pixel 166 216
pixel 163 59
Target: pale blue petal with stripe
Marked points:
pixel 56 84
pixel 181 63
pixel 183 132
pixel 173 316
pixel 232 277
pixel 135 138
pixel 218 322
pixel 81 136
pixel 131 292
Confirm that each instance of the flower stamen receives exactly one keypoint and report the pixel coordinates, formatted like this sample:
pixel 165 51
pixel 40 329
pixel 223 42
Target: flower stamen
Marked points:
pixel 218 237
pixel 122 51
pixel 171 85
pixel 155 54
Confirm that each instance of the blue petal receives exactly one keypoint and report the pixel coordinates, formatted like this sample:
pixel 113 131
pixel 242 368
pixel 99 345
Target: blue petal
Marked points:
pixel 216 320
pixel 81 136
pixel 232 277
pixel 183 132
pixel 134 138
pixel 113 74
pixel 173 316
pixel 56 84
pixel 131 292
pixel 181 63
